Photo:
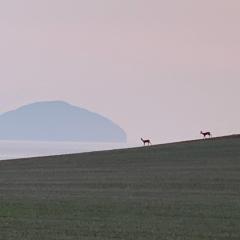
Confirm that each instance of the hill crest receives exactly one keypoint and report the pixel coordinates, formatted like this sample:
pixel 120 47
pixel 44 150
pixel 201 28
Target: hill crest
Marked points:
pixel 58 121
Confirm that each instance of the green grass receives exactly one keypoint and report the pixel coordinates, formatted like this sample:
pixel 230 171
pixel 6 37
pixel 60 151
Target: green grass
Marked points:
pixel 188 190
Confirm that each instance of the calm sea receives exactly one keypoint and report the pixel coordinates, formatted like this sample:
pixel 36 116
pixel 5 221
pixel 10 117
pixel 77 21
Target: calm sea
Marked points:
pixel 23 149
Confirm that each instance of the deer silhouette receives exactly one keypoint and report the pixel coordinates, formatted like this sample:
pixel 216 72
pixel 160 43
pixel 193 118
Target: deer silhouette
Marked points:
pixel 205 134
pixel 146 141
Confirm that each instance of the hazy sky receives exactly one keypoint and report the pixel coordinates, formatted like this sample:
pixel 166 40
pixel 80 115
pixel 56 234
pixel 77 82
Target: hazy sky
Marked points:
pixel 160 69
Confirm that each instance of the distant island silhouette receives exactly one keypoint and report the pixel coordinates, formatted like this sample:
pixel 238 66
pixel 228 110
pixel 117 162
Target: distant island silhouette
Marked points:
pixel 58 121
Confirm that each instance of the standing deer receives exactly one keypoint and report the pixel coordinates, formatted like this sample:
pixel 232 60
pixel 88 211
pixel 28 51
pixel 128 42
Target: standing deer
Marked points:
pixel 206 134
pixel 146 141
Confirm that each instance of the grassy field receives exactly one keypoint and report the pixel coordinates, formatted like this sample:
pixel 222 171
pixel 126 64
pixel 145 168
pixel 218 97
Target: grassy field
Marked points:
pixel 188 190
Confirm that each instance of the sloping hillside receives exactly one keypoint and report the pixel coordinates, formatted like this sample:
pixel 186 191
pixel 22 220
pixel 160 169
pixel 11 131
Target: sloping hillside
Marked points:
pixel 188 190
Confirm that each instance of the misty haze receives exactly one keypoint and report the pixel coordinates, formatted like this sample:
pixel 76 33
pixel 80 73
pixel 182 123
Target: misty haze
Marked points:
pixel 120 120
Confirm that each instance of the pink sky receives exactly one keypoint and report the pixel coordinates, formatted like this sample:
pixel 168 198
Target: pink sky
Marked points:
pixel 160 69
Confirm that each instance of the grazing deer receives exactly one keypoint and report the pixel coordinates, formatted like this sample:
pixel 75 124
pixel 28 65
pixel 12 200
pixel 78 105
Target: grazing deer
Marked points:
pixel 206 134
pixel 146 141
